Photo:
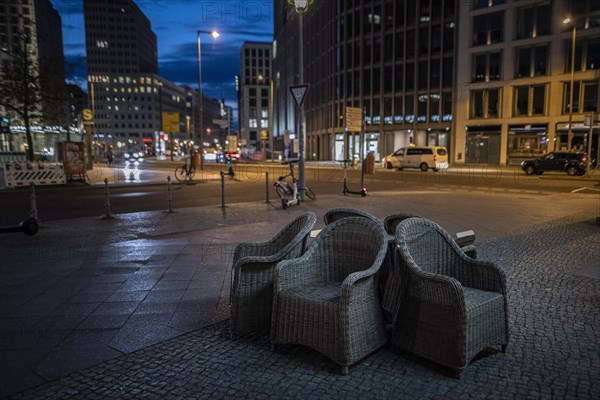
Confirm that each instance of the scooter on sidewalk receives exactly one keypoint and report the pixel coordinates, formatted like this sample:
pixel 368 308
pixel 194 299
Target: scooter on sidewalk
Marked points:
pixel 346 190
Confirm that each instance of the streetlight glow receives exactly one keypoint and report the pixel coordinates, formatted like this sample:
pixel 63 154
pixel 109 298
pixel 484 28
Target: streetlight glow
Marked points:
pixel 215 34
pixel 567 20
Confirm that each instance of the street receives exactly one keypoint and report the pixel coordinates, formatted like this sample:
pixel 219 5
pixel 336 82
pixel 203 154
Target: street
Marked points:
pixel 150 193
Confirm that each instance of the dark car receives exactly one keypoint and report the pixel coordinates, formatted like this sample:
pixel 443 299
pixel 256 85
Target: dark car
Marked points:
pixel 573 163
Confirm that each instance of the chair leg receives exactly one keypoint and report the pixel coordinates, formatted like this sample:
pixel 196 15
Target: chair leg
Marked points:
pixel 344 370
pixel 504 348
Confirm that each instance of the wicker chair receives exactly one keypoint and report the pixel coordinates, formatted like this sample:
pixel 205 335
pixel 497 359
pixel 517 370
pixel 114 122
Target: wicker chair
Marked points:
pixel 252 275
pixel 452 306
pixel 327 299
pixel 338 213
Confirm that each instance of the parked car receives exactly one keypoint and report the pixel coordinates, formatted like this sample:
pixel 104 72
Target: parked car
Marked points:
pixel 424 158
pixel 573 163
pixel 228 156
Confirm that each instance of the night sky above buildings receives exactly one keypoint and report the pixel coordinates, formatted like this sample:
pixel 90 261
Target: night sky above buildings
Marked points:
pixel 175 23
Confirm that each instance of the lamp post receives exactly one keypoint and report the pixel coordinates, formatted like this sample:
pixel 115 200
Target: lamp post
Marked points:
pixel 568 21
pixel 301 7
pixel 215 35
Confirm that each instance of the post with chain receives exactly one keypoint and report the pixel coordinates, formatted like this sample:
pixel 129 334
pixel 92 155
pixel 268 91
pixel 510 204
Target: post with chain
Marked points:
pixel 222 189
pixel 107 213
pixel 169 196
pixel 267 185
pixel 33 202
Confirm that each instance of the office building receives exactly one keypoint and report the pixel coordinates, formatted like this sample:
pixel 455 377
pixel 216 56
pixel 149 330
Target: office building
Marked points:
pixel 36 25
pixel 393 59
pixel 513 82
pixel 254 96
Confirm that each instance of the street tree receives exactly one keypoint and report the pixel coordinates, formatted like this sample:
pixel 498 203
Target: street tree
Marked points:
pixel 20 85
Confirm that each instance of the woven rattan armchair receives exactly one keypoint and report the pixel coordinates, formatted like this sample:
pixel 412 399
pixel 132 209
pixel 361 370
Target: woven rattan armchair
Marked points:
pixel 452 306
pixel 327 299
pixel 252 275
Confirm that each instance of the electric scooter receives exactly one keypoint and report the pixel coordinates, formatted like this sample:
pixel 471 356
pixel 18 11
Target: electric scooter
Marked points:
pixel 363 191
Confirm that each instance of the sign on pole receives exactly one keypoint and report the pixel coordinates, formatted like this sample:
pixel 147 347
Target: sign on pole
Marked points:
pixel 232 143
pixel 299 93
pixel 353 119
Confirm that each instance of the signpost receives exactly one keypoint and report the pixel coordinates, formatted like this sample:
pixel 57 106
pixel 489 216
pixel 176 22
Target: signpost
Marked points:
pixel 354 123
pixel 88 121
pixel 299 94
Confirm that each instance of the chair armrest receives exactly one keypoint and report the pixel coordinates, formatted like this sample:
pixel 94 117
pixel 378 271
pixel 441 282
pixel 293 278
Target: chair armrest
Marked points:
pixel 434 288
pixel 250 249
pixel 296 271
pixel 483 275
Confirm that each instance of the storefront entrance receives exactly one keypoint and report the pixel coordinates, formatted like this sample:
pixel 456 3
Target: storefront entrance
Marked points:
pixel 483 145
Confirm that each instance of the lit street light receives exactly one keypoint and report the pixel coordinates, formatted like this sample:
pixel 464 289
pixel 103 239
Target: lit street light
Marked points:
pixel 568 21
pixel 215 35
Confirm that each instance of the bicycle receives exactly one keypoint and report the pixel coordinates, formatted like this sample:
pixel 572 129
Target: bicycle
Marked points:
pixel 284 189
pixel 185 172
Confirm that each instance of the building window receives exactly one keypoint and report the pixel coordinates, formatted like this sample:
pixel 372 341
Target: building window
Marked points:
pixel 529 100
pixel 484 103
pixel 253 123
pixel 532 61
pixel 253 135
pixel 585 96
pixel 533 21
pixel 486 67
pixel 486 3
pixel 587 54
pixel 487 28
pixel 585 13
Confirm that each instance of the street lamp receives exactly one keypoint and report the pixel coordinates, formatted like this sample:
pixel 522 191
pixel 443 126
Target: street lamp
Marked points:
pixel 568 21
pixel 215 35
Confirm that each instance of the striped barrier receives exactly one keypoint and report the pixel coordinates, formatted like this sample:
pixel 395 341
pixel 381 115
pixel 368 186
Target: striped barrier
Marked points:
pixel 39 173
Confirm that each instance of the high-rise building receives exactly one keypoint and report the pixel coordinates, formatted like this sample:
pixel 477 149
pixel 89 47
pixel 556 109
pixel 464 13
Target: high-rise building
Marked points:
pixel 33 28
pixel 254 95
pixel 393 59
pixel 513 82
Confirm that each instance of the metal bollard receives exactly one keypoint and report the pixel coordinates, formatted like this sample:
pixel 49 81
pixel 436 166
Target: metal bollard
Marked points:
pixel 169 196
pixel 32 200
pixel 222 189
pixel 267 185
pixel 107 213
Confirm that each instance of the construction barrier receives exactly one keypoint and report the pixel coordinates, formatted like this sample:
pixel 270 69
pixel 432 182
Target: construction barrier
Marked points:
pixel 39 173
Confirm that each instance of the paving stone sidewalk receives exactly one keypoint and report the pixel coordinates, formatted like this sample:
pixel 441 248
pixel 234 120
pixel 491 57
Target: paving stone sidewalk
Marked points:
pixel 554 313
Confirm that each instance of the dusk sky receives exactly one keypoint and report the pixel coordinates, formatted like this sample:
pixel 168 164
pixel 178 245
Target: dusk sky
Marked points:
pixel 175 23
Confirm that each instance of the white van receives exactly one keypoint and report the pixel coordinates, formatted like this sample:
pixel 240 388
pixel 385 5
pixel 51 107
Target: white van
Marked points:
pixel 424 158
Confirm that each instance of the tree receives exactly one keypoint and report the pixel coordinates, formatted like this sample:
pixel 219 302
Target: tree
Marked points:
pixel 20 86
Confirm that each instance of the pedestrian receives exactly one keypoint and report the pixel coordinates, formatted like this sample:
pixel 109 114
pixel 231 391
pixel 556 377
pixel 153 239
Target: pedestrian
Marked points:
pixel 110 156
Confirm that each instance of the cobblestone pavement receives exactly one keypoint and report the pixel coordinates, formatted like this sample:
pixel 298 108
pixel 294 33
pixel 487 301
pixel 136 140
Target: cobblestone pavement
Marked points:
pixel 553 274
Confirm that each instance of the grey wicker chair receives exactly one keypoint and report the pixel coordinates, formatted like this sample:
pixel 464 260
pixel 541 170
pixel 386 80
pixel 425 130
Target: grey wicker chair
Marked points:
pixel 338 213
pixel 327 299
pixel 452 306
pixel 252 275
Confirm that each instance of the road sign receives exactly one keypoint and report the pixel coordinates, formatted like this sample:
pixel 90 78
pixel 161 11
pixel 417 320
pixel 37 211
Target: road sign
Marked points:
pixel 233 144
pixel 353 119
pixel 88 116
pixel 299 93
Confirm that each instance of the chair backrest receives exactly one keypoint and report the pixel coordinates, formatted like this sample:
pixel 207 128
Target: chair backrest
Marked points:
pixel 336 214
pixel 349 245
pixel 427 246
pixel 293 236
pixel 391 222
